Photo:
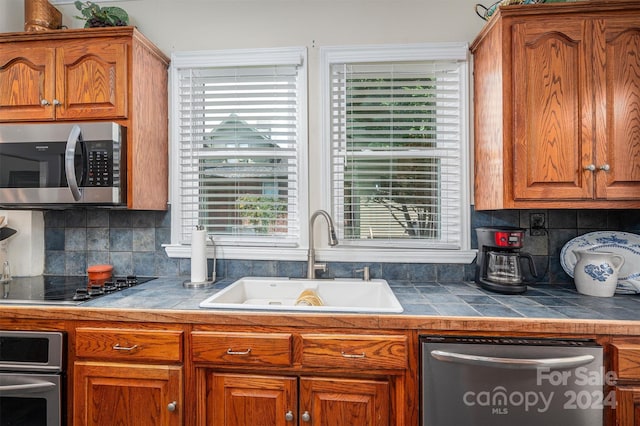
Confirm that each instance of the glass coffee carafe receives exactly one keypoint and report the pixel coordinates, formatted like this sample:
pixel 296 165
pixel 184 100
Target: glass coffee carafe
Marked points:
pixel 504 267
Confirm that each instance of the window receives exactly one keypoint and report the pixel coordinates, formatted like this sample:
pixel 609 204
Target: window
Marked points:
pixel 395 145
pixel 239 146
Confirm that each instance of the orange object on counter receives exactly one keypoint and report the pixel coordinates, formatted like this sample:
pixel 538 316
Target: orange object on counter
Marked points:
pixel 99 274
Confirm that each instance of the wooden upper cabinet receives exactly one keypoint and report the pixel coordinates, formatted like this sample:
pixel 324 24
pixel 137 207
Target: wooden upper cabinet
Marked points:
pixel 556 89
pixel 76 81
pixel 552 84
pixel 27 80
pixel 91 81
pixel 618 96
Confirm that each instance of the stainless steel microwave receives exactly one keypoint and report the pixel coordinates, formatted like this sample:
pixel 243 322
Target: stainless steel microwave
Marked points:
pixel 62 164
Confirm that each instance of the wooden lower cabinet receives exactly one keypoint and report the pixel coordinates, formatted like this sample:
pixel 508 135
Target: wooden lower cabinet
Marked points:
pixel 128 376
pixel 628 406
pixel 239 399
pixel 344 402
pixel 625 362
pixel 247 399
pixel 108 394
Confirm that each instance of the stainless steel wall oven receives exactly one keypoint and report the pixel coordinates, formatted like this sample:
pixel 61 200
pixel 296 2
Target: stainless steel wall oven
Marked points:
pixel 31 378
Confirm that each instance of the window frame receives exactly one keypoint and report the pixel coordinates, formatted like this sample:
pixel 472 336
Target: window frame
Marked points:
pixel 227 248
pixel 340 253
pixel 385 251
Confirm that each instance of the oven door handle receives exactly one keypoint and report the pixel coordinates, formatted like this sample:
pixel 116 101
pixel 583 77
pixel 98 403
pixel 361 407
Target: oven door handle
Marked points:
pixel 513 363
pixel 27 387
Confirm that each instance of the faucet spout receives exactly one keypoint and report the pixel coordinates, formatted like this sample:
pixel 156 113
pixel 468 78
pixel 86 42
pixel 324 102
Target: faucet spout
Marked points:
pixel 312 266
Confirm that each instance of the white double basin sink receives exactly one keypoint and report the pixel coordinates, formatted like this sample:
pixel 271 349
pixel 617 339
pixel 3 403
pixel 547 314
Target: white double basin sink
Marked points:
pixel 330 295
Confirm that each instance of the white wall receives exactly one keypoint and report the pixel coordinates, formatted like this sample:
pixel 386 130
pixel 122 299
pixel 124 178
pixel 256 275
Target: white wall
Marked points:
pixel 214 24
pixel 175 25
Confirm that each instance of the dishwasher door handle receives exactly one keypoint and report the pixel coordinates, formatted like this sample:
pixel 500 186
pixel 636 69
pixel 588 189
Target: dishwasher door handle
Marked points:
pixel 513 363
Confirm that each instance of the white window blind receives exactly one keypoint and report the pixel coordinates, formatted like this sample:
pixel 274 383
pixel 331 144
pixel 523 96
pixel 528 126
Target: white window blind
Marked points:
pixel 239 151
pixel 397 143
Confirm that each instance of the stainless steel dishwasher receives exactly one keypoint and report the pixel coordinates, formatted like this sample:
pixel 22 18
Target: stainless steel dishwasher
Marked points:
pixel 480 381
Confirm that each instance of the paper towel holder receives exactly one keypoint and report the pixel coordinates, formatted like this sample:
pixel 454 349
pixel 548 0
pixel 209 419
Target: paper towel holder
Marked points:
pixel 206 283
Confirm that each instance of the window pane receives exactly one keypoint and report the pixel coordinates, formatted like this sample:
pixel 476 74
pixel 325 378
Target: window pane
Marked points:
pixel 396 137
pixel 239 151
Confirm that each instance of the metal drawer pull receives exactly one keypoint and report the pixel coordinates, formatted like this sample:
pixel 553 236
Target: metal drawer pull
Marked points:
pixel 605 167
pixel 590 167
pixel 346 355
pixel 232 352
pixel 306 417
pixel 172 406
pixel 289 416
pixel 117 347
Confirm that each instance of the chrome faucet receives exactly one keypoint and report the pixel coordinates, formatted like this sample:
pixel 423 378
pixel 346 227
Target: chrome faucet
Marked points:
pixel 312 266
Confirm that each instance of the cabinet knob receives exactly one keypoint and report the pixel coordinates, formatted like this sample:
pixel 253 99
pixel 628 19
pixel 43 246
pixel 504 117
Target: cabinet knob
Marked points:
pixel 56 102
pixel 44 102
pixel 590 167
pixel 172 406
pixel 289 416
pixel 306 417
pixel 605 167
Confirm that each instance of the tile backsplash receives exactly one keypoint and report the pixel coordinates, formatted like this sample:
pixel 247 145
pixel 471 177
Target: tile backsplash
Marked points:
pixel 132 242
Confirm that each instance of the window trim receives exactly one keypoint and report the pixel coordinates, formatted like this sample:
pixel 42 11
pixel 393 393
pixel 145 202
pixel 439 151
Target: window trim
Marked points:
pixel 387 252
pixel 230 58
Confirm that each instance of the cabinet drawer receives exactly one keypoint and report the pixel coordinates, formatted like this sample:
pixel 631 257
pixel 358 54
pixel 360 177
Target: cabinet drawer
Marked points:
pixel 349 351
pixel 242 348
pixel 123 344
pixel 626 359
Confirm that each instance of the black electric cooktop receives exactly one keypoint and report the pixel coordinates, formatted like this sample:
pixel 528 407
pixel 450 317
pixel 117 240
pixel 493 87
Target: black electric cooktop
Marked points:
pixel 62 290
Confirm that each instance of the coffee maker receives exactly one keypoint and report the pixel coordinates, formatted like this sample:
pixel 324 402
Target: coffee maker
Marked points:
pixel 498 263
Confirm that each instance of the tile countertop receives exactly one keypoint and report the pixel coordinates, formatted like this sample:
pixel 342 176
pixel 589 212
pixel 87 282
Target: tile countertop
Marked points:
pixel 461 299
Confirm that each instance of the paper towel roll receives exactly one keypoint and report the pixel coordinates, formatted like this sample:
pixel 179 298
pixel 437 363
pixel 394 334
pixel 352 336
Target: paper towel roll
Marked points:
pixel 198 256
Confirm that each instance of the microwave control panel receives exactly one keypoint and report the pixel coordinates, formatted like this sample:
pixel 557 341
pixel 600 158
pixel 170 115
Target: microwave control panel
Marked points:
pixel 100 167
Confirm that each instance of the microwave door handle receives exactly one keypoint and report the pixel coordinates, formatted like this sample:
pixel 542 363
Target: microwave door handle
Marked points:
pixel 75 136
pixel 27 387
pixel 513 363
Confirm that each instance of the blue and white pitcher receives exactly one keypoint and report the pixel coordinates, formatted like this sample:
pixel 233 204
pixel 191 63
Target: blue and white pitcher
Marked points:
pixel 596 272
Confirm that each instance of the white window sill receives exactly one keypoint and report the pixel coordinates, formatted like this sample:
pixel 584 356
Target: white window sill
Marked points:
pixel 334 254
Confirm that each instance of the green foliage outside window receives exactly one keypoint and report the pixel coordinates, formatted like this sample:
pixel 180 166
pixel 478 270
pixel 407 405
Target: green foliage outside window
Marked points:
pixel 262 212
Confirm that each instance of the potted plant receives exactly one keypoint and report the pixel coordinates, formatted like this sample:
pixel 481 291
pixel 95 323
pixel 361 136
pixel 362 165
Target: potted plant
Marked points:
pixel 96 16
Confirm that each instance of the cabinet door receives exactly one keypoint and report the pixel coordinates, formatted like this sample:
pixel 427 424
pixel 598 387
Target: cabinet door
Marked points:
pixel 91 80
pixel 627 411
pixel 27 80
pixel 127 395
pixel 552 110
pixel 240 400
pixel 618 108
pixel 344 402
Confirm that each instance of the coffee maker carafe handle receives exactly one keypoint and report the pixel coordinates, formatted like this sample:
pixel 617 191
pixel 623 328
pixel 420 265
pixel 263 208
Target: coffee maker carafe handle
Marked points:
pixel 532 265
